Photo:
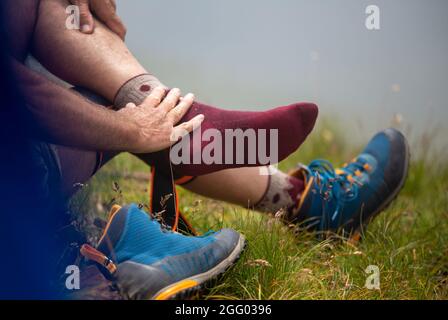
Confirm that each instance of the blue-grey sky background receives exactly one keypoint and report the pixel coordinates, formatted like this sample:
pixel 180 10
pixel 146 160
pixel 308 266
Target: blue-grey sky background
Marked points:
pixel 256 54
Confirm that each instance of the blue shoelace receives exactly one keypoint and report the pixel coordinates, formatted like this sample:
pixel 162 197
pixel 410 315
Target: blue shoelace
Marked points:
pixel 341 185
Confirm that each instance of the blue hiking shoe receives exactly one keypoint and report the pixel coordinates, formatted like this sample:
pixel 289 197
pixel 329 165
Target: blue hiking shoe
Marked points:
pixel 145 260
pixel 345 200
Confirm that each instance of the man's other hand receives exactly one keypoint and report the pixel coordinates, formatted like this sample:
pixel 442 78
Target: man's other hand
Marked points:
pixel 104 10
pixel 157 120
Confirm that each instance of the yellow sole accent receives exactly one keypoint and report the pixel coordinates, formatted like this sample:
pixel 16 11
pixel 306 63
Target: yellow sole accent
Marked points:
pixel 173 290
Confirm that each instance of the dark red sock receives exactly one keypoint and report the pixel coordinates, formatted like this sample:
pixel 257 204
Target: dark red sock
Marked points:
pixel 293 124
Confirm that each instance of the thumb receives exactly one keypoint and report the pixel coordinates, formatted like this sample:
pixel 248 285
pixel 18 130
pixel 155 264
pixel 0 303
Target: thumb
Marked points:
pixel 85 17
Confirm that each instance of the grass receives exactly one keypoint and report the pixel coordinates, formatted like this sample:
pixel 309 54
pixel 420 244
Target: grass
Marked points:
pixel 408 242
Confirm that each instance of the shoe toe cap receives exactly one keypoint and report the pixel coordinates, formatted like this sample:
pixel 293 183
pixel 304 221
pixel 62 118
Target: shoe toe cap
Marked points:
pixel 390 149
pixel 227 239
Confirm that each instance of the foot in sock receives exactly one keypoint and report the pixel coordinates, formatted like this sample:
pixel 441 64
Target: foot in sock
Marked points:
pixel 292 123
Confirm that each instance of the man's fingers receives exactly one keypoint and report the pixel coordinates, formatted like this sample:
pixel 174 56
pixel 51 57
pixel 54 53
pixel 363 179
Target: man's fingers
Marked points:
pixel 86 22
pixel 185 128
pixel 176 114
pixel 154 99
pixel 170 100
pixel 105 11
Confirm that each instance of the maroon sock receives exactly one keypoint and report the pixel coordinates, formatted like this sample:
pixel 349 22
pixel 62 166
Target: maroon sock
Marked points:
pixel 293 124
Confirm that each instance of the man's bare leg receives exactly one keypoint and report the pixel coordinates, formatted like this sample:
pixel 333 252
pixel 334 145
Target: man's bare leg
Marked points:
pixel 102 63
pixel 242 186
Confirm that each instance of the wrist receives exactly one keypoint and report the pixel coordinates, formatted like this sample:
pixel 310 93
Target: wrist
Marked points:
pixel 130 133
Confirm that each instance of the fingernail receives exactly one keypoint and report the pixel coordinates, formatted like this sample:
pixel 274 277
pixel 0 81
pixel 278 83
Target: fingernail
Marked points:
pixel 201 117
pixel 176 90
pixel 85 28
pixel 189 96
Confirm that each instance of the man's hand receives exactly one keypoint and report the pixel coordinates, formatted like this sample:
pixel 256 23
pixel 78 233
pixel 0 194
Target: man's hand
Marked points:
pixel 104 10
pixel 64 118
pixel 157 120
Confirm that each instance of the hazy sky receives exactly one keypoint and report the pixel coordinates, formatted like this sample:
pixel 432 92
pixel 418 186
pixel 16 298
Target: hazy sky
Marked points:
pixel 255 54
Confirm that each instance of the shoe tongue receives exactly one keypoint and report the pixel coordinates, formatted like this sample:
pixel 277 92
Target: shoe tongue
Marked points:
pixel 304 174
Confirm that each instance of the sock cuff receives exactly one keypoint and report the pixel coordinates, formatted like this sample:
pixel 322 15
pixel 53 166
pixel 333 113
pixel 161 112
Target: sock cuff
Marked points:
pixel 258 204
pixel 134 90
pixel 277 194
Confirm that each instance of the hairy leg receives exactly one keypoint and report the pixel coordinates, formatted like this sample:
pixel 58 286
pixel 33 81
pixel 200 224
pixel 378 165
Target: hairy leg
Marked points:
pixel 102 63
pixel 232 185
pixel 70 55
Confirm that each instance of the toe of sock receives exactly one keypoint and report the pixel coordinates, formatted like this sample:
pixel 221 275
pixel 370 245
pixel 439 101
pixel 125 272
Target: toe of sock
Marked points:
pixel 295 122
pixel 308 113
pixel 302 119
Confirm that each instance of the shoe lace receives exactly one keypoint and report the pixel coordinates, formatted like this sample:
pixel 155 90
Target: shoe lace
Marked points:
pixel 341 184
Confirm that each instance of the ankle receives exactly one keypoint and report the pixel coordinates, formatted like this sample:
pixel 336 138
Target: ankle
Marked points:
pixel 136 90
pixel 283 193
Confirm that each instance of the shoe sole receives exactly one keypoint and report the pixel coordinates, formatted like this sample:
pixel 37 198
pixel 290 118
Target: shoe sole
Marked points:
pixel 187 287
pixel 357 234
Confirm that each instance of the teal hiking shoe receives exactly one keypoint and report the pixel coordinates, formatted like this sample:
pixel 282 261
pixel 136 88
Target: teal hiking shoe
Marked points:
pixel 345 200
pixel 146 260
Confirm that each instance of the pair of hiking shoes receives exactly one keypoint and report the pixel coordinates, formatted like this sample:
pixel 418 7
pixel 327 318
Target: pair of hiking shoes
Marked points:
pixel 147 260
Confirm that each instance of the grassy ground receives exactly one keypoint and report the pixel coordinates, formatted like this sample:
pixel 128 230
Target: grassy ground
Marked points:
pixel 408 242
